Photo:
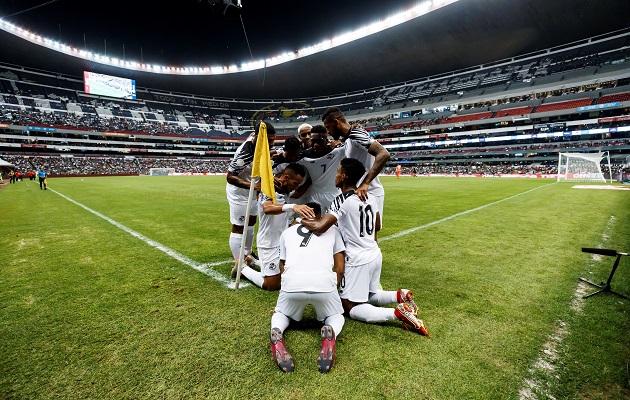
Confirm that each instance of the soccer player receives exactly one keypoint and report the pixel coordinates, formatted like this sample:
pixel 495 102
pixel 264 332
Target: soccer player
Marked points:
pixel 304 135
pixel 398 170
pixel 273 220
pixel 358 222
pixel 360 145
pixel 321 162
pixel 291 152
pixel 312 267
pixel 237 190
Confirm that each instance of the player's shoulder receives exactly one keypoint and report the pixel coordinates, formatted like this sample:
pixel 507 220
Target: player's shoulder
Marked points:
pixel 358 133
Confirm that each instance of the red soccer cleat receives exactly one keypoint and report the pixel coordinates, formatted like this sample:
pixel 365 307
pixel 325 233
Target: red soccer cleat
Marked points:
pixel 406 296
pixel 279 352
pixel 410 322
pixel 326 357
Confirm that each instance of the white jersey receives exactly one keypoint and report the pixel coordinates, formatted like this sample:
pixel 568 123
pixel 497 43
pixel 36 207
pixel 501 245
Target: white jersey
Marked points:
pixel 356 145
pixel 309 259
pixel 271 226
pixel 241 165
pixel 322 171
pixel 357 222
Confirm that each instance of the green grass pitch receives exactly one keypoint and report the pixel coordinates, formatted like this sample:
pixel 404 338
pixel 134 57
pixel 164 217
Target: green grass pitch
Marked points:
pixel 88 310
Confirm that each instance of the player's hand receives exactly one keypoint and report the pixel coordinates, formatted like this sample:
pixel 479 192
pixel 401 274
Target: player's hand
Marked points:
pixel 358 126
pixel 362 191
pixel 257 186
pixel 304 211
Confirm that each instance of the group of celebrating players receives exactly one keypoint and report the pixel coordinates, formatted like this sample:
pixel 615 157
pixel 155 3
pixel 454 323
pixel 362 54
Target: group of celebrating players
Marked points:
pixel 317 244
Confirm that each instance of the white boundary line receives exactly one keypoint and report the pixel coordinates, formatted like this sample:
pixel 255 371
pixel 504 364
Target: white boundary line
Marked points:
pixel 205 269
pixel 542 375
pixel 459 214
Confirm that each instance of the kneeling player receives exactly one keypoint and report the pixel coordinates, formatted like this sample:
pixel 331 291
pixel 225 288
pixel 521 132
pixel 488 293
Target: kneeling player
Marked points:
pixel 312 267
pixel 358 222
pixel 273 220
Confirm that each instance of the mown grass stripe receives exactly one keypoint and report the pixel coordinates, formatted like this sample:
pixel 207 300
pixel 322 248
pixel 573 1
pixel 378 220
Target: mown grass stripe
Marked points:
pixel 205 269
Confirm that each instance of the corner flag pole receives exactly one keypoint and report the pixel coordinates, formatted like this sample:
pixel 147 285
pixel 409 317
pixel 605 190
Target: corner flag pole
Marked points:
pixel 241 254
pixel 261 167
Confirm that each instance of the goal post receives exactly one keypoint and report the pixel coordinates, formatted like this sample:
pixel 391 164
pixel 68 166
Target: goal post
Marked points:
pixel 583 167
pixel 161 171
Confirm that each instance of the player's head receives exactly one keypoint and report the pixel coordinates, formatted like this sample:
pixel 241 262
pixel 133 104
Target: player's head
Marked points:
pixel 317 209
pixel 291 177
pixel 292 147
pixel 304 135
pixel 349 172
pixel 319 140
pixel 335 122
pixel 271 132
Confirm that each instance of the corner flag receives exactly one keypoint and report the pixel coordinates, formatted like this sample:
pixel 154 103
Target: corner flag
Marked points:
pixel 261 165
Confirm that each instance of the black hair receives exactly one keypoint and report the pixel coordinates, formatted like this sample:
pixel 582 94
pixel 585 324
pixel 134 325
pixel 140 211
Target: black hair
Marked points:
pixel 319 129
pixel 297 169
pixel 270 129
pixel 292 143
pixel 317 209
pixel 353 168
pixel 333 112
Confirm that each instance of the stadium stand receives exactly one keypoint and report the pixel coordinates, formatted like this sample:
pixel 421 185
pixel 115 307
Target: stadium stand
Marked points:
pixel 483 119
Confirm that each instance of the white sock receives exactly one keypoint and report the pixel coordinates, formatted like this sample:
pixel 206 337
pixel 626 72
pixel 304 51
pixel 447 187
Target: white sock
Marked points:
pixel 382 297
pixel 370 314
pixel 235 244
pixel 249 240
pixel 336 321
pixel 280 321
pixel 253 276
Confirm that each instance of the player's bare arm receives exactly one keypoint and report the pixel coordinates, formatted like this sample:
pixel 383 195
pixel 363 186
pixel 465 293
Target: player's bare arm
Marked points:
pixel 240 182
pixel 273 209
pixel 320 225
pixel 281 266
pixel 381 157
pixel 377 226
pixel 339 265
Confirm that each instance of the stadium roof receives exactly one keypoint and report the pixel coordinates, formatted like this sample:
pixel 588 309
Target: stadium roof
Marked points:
pixel 457 36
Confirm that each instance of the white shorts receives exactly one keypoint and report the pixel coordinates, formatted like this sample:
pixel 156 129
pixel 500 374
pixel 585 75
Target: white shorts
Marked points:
pixel 359 281
pixel 238 211
pixel 269 260
pixel 292 304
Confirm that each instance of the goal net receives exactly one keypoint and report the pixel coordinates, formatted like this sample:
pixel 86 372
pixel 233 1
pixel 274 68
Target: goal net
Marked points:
pixel 161 171
pixel 583 167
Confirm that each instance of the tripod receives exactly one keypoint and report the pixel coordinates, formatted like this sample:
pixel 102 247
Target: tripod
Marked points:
pixel 605 287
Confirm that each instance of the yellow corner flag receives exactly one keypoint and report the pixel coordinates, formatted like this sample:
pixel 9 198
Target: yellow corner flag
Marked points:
pixel 262 164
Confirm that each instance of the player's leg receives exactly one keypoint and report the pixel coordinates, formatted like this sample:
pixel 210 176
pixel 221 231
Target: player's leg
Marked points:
pixel 289 305
pixel 279 323
pixel 238 214
pixel 406 311
pixel 329 309
pixel 380 297
pixel 269 276
pixel 357 281
pixel 355 294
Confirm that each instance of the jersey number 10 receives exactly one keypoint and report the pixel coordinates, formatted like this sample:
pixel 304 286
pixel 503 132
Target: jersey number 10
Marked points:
pixel 366 218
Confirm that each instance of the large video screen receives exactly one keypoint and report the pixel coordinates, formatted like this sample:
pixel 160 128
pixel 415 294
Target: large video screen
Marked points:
pixel 107 85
